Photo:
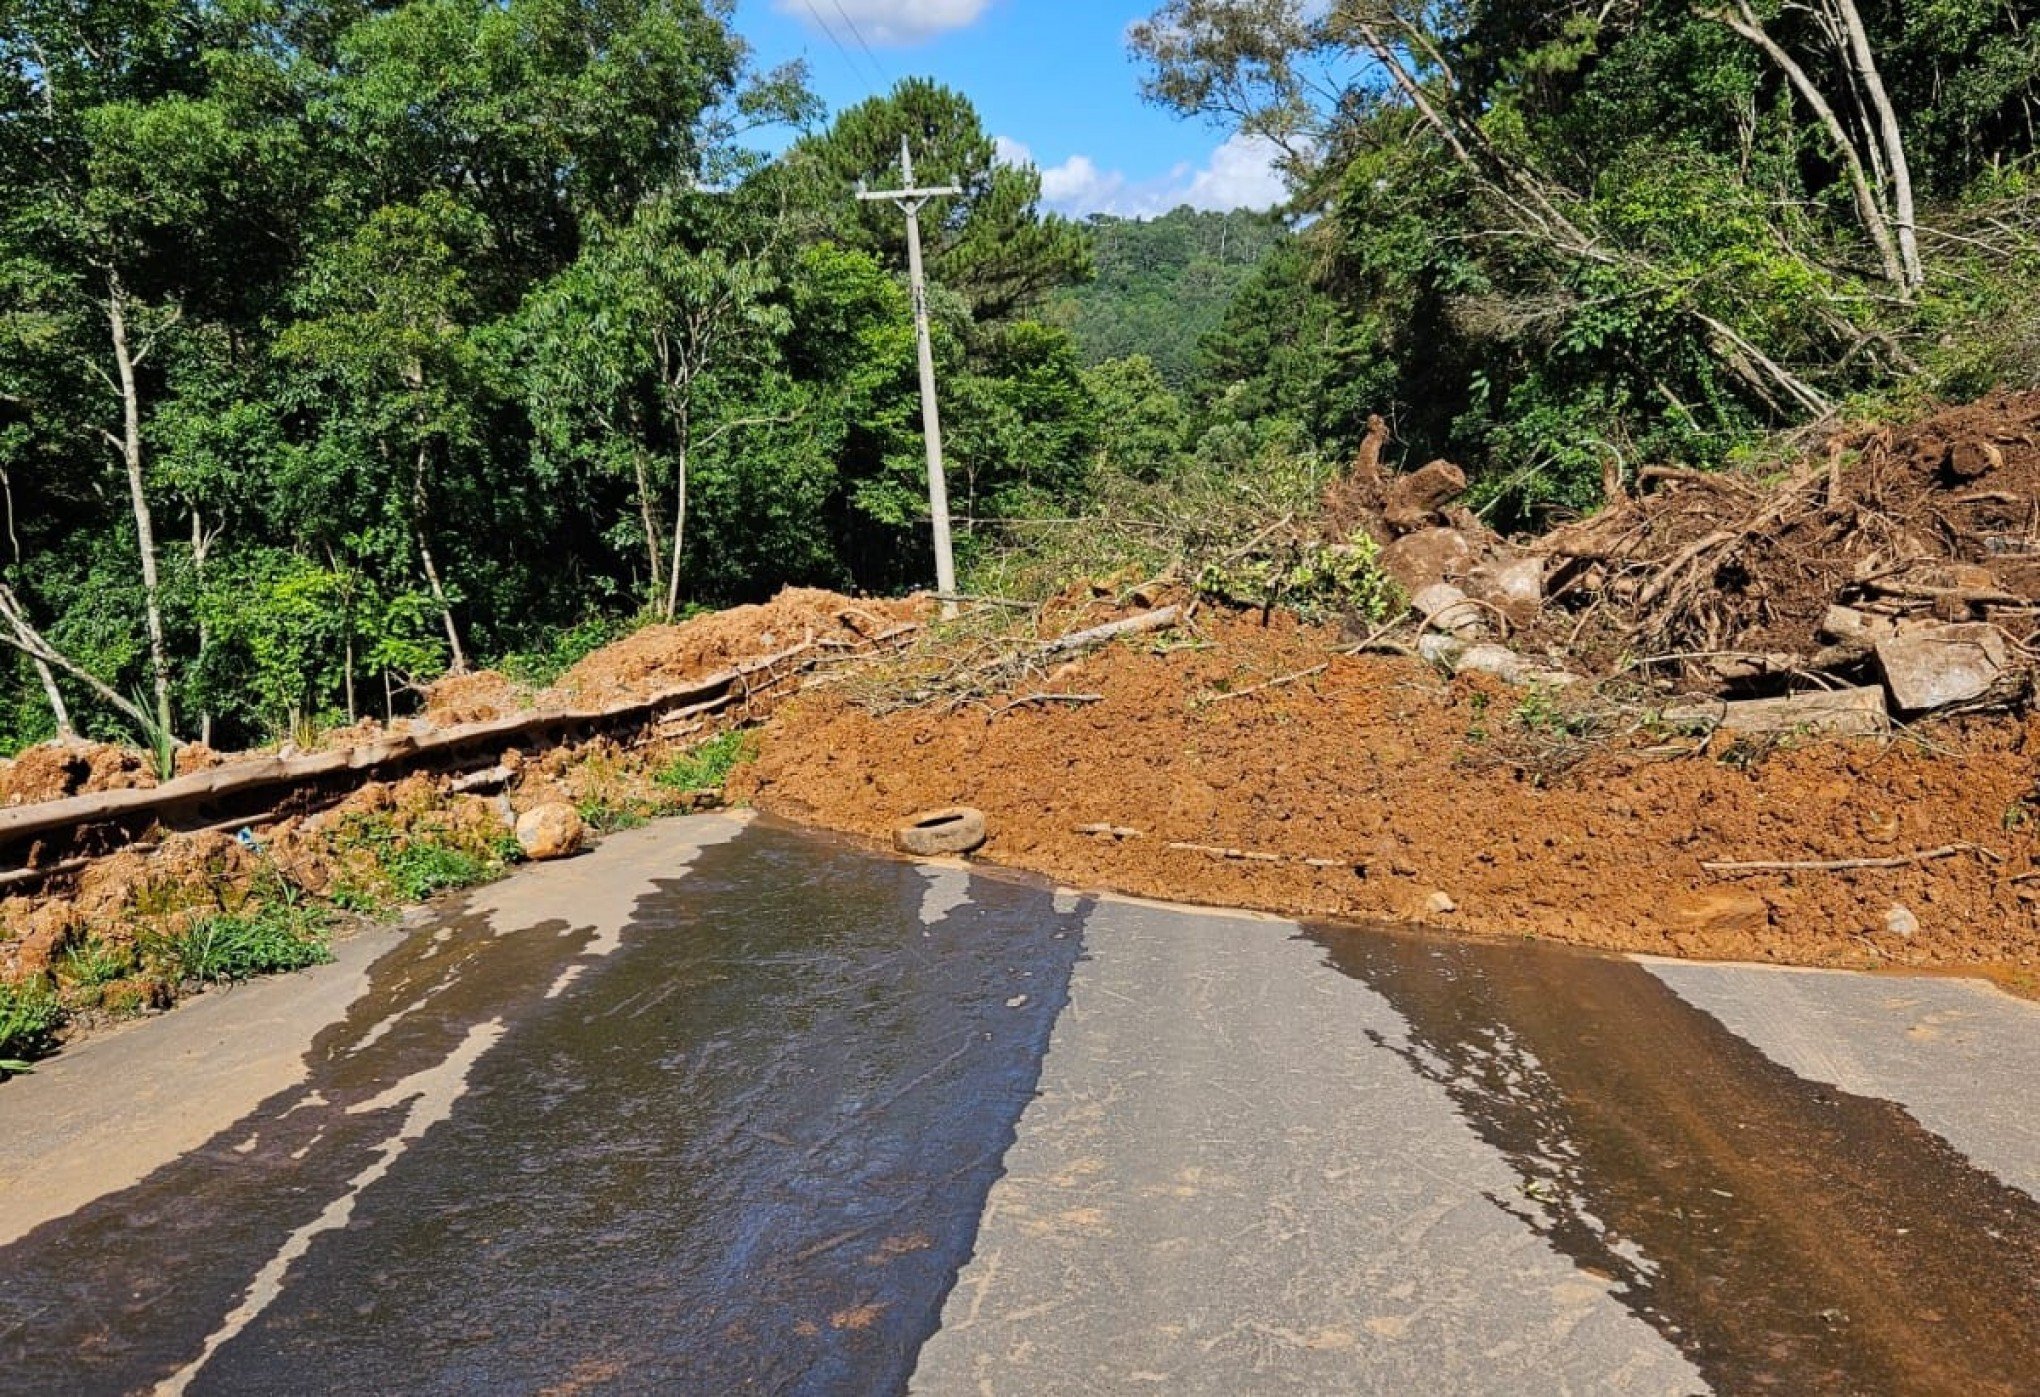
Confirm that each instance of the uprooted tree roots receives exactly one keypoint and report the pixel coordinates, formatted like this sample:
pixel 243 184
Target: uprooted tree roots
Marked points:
pixel 1735 581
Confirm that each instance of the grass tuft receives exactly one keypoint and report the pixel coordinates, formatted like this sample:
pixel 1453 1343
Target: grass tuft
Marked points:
pixel 708 767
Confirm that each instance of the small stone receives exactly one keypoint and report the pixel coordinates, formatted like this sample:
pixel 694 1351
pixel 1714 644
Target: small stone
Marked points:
pixel 1440 904
pixel 1900 921
pixel 1446 607
pixel 550 831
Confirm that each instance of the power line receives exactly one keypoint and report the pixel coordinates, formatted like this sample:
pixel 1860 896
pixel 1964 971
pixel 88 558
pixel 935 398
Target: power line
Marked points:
pixel 858 34
pixel 830 30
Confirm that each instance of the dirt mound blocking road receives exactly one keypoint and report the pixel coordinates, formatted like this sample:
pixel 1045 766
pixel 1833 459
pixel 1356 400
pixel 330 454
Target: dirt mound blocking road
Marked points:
pixel 1375 789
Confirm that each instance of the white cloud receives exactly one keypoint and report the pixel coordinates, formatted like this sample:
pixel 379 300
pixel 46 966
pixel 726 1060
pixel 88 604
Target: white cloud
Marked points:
pixel 1241 174
pixel 888 21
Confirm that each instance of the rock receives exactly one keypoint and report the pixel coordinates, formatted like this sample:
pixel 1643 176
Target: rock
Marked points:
pixel 1845 623
pixel 1834 713
pixel 1446 608
pixel 550 831
pixel 1425 558
pixel 1719 912
pixel 1499 660
pixel 1440 904
pixel 1512 585
pixel 957 830
pixel 1971 459
pixel 1413 501
pixel 1900 921
pixel 1941 666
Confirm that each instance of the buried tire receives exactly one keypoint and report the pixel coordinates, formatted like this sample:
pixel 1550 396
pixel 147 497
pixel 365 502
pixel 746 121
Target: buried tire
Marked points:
pixel 957 830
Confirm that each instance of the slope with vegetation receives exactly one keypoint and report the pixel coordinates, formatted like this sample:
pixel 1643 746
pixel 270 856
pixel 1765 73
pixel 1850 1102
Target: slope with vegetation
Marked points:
pixel 342 346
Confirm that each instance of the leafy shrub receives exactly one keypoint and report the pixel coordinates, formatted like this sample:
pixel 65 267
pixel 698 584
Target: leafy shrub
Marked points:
pixel 542 665
pixel 1316 581
pixel 413 865
pixel 708 766
pixel 418 870
pixel 93 964
pixel 29 1014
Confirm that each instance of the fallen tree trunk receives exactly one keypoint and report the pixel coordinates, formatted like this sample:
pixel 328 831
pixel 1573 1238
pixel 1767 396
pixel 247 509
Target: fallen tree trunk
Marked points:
pixel 128 807
pixel 1098 635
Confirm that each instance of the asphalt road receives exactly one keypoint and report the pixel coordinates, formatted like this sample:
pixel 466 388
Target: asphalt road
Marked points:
pixel 727 1107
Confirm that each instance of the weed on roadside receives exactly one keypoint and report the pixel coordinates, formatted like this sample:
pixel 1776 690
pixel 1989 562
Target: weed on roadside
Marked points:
pixel 708 766
pixel 29 1013
pixel 267 936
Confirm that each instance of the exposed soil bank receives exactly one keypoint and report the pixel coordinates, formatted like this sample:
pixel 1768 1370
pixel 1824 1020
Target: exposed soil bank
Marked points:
pixel 1408 783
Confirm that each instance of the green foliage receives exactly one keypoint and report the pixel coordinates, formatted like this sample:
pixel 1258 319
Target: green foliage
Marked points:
pixel 1317 581
pixel 29 1014
pixel 453 324
pixel 708 766
pixel 409 863
pixel 1557 240
pixel 542 666
pixel 1164 284
pixel 270 935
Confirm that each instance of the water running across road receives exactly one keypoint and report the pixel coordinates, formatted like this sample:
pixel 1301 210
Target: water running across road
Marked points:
pixel 735 1107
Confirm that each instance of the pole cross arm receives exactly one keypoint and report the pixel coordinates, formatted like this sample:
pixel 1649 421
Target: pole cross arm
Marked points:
pixel 902 195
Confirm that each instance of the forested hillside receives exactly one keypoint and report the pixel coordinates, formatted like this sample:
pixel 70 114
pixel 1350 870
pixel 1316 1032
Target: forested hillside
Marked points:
pixel 1163 284
pixel 1561 241
pixel 342 345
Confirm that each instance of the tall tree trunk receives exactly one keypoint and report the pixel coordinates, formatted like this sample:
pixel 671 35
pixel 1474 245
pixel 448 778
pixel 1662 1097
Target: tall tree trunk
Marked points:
pixel 647 506
pixel 145 527
pixel 1746 24
pixel 1872 78
pixel 201 545
pixel 420 518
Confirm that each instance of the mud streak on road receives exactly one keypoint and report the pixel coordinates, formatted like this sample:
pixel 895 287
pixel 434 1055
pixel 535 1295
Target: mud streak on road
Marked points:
pixel 1786 1236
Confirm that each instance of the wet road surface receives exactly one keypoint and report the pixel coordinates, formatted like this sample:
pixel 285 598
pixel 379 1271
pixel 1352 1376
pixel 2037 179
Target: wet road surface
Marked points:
pixel 726 1107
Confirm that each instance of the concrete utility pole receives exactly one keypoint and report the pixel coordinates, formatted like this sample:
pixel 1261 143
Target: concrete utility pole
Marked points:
pixel 910 201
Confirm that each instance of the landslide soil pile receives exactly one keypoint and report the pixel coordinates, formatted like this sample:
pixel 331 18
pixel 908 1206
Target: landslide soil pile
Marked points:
pixel 1937 520
pixel 1414 793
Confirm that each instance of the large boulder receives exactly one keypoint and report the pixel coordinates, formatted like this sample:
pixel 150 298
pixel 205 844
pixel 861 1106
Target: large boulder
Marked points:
pixel 1511 583
pixel 550 831
pixel 1426 558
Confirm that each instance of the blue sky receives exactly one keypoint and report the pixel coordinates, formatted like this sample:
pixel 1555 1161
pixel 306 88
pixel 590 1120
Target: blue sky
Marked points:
pixel 1052 79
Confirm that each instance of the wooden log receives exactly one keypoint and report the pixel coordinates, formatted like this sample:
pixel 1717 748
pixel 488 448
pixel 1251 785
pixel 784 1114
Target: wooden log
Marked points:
pixel 1132 625
pixel 1836 713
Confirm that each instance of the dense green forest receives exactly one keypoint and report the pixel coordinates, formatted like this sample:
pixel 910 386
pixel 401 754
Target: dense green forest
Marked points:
pixel 1163 284
pixel 345 344
pixel 1555 241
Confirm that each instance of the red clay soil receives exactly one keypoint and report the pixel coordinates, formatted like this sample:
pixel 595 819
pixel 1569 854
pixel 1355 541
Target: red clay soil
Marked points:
pixel 1388 770
pixel 661 656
